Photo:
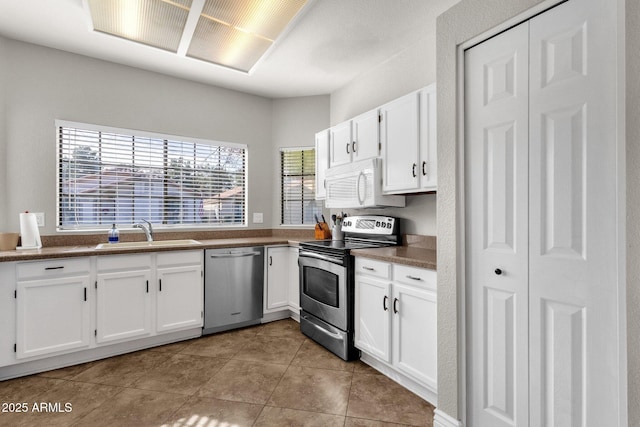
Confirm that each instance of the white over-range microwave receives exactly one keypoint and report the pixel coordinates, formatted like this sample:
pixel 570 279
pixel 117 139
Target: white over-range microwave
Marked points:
pixel 358 185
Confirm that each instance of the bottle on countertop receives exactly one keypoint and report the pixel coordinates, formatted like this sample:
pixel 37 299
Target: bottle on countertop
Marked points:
pixel 114 235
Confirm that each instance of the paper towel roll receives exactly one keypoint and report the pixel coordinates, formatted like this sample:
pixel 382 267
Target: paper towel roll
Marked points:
pixel 29 232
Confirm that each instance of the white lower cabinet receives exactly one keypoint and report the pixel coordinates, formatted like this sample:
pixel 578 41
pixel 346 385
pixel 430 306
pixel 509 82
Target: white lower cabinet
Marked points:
pixel 123 297
pixel 52 307
pixel 414 333
pixel 281 280
pixel 294 280
pixel 277 279
pixel 7 312
pixel 395 319
pixel 373 320
pixel 180 297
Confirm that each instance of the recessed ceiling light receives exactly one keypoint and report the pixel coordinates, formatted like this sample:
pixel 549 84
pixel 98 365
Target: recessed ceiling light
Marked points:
pixel 232 33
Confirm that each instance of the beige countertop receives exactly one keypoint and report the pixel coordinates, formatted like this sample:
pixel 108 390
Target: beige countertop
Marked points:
pixel 406 255
pixel 90 250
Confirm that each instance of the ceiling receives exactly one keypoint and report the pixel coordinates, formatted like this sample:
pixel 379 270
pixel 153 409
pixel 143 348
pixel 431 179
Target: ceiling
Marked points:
pixel 330 44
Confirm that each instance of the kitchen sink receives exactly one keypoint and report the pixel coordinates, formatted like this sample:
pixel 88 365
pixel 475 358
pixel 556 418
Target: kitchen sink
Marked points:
pixel 154 244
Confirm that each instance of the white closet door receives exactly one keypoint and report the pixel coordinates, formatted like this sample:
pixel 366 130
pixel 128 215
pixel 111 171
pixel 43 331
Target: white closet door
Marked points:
pixel 496 155
pixel 574 335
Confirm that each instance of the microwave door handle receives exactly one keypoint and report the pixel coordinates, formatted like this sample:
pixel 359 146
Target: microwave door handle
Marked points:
pixel 360 201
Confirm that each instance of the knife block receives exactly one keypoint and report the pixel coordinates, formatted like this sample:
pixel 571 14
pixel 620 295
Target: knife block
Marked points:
pixel 322 231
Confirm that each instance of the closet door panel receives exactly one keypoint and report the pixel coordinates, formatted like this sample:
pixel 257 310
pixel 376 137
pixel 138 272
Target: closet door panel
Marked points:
pixel 573 210
pixel 496 151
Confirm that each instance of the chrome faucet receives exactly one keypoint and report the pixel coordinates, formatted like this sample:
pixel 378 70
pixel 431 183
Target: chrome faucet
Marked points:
pixel 148 229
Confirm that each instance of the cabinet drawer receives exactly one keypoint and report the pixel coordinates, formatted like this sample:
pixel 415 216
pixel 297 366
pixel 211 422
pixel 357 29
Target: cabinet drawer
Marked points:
pixel 415 276
pixel 123 262
pixel 373 268
pixel 52 268
pixel 179 258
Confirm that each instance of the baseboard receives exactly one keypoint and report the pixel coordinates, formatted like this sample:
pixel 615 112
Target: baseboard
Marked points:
pixel 426 393
pixel 441 419
pixel 46 363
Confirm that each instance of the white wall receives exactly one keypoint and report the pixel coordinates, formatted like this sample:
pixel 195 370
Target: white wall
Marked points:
pixel 411 69
pixel 295 123
pixel 44 84
pixel 633 206
pixel 464 21
pixel 3 144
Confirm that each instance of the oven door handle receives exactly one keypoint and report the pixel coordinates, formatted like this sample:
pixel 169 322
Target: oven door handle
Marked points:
pixel 321 329
pixel 327 258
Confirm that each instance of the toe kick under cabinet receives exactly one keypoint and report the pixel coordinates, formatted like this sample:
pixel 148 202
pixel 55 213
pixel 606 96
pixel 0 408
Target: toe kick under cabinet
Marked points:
pixel 395 323
pixel 97 306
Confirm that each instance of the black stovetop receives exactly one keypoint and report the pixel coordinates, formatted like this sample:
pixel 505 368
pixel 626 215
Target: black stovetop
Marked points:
pixel 344 245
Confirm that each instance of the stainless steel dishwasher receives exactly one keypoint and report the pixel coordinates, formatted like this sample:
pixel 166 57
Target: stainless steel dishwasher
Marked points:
pixel 233 288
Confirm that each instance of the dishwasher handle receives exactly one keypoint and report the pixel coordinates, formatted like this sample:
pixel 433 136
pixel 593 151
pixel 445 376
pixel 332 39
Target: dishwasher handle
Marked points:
pixel 235 255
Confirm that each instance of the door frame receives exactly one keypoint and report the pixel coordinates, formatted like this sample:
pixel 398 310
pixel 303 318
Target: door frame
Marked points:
pixel 461 237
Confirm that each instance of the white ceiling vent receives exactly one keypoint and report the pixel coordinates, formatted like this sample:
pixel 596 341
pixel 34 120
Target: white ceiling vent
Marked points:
pixel 232 33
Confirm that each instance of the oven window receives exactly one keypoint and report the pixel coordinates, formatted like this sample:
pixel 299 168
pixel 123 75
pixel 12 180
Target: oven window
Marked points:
pixel 321 285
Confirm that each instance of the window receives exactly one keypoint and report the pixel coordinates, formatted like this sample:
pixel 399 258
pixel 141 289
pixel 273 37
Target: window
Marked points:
pixel 298 186
pixel 120 176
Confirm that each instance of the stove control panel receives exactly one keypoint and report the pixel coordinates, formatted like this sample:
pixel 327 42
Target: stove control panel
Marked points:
pixel 370 224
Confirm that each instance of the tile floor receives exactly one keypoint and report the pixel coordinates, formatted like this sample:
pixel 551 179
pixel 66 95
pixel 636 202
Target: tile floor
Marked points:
pixel 266 375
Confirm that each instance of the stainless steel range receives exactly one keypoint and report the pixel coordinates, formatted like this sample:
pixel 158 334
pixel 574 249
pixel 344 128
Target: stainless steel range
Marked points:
pixel 327 281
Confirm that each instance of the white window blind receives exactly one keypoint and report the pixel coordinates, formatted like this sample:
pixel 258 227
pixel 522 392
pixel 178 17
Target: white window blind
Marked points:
pixel 120 176
pixel 298 186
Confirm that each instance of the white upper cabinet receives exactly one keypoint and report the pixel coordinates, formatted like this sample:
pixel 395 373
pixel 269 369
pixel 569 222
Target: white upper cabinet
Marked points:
pixel 408 140
pixel 400 138
pixel 366 136
pixel 322 163
pixel 428 170
pixel 402 133
pixel 340 144
pixel 355 139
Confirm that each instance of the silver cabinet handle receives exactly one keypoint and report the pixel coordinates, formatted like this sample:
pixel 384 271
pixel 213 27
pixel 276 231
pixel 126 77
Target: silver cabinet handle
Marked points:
pixel 364 267
pixel 413 277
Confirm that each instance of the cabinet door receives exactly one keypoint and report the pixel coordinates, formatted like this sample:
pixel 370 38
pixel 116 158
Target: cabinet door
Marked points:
pixel 399 136
pixel 180 298
pixel 294 280
pixel 414 333
pixel 52 316
pixel 366 136
pixel 7 312
pixel 322 163
pixel 340 144
pixel 428 170
pixel 277 289
pixel 372 316
pixel 123 303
